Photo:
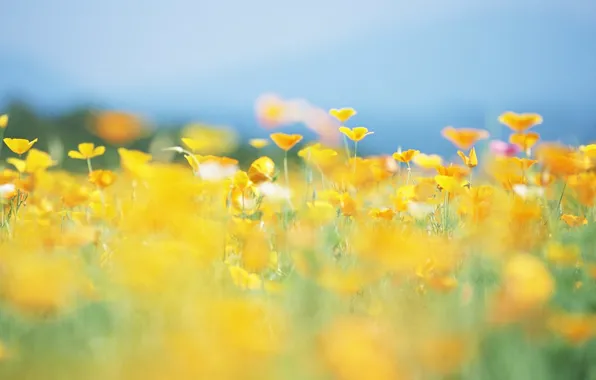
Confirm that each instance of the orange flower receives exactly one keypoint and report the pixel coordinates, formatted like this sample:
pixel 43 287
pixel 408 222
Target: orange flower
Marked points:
pixel 471 160
pixel 574 220
pixel 520 122
pixel 559 160
pixel 383 213
pixel 464 138
pixel 118 127
pixel 525 141
pixel 285 141
pixel 102 178
pixel 405 156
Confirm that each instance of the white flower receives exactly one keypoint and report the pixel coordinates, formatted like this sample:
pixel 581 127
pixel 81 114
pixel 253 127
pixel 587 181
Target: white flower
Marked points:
pixel 213 171
pixel 6 189
pixel 528 192
pixel 274 191
pixel 420 210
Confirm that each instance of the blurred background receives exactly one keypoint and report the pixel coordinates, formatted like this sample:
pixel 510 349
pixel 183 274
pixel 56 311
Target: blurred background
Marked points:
pixel 410 68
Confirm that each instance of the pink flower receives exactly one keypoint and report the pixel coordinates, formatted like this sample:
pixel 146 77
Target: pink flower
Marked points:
pixel 501 148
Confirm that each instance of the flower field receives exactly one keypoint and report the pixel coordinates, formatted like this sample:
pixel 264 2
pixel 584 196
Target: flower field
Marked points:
pixel 344 266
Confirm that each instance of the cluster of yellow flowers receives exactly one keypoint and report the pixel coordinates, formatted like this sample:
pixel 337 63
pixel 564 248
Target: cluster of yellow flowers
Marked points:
pixel 351 267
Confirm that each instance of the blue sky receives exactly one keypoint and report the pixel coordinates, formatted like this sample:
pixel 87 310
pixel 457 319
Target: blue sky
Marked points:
pixel 109 45
pixel 419 64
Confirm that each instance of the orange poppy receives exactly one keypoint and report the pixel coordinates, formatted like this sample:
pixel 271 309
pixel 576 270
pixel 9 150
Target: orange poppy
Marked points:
pixel 464 138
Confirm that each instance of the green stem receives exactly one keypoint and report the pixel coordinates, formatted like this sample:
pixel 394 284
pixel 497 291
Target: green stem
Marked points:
pixel 286 175
pixel 355 154
pixel 561 197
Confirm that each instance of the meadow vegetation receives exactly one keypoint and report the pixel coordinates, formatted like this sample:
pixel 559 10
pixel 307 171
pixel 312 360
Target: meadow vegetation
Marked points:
pixel 173 260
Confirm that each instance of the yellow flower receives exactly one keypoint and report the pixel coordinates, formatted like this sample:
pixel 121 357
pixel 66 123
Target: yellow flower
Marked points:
pixel 449 184
pixel 258 143
pixel 355 134
pixel 134 161
pixel 471 160
pixel 36 160
pixel 261 170
pixel 3 121
pixel 520 122
pixel 427 161
pixel 102 178
pixel 285 141
pixel 464 138
pixel 574 220
pixel 528 283
pixel 383 213
pixel 405 156
pixel 588 150
pixel 525 141
pixel 19 146
pixel 87 151
pixel 564 255
pixel 343 114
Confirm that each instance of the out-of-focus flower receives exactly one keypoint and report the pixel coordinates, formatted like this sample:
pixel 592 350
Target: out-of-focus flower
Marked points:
pixel 118 128
pixel 342 114
pixel 3 121
pixel 520 122
pixel 258 143
pixel 102 178
pixel 501 148
pixel 427 161
pixel 464 138
pixel 525 141
pixel 574 220
pixel 405 156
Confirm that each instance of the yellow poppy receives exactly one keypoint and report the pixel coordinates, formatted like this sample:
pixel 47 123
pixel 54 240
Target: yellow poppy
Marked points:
pixel 520 122
pixel 87 151
pixel 471 160
pixel 405 156
pixel 261 170
pixel 285 141
pixel 3 121
pixel 342 114
pixel 464 138
pixel 355 134
pixel 258 143
pixel 525 141
pixel 102 178
pixel 427 161
pixel 19 146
